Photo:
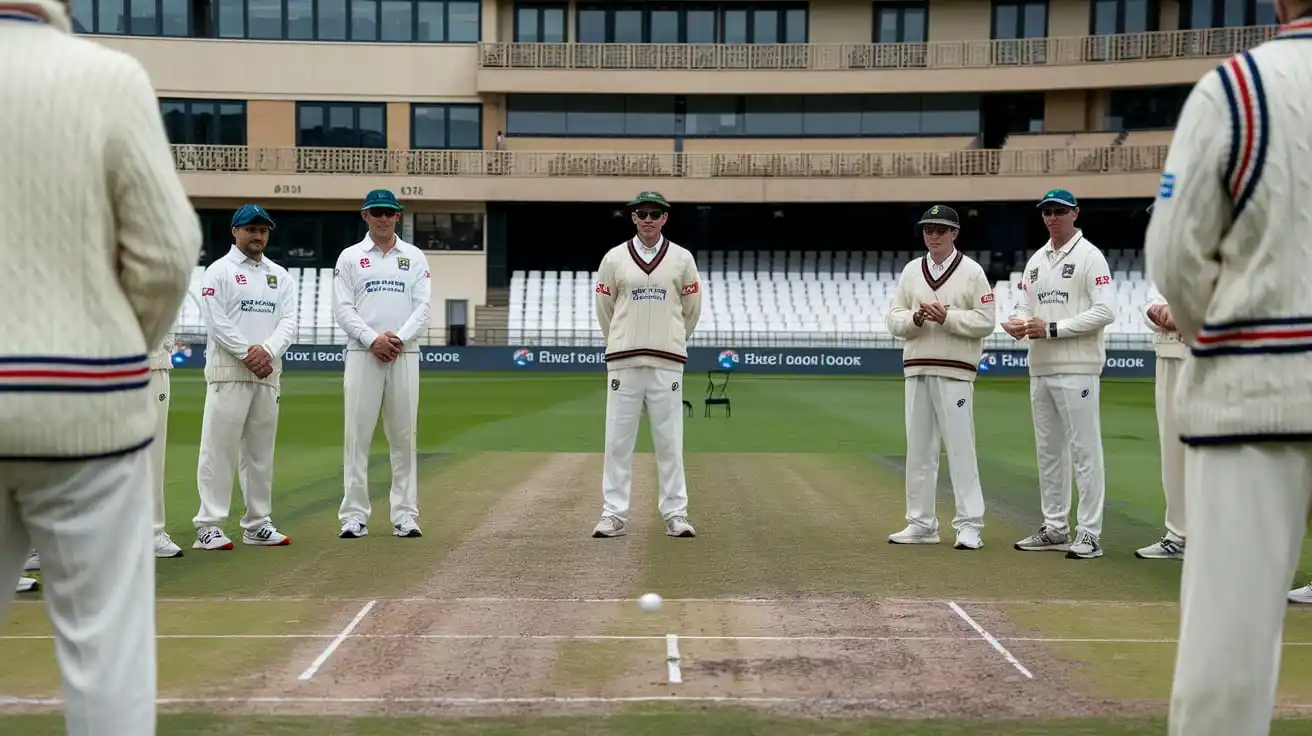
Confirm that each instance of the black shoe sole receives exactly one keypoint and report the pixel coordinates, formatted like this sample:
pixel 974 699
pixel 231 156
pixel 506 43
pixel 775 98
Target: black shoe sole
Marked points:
pixel 412 535
pixel 348 535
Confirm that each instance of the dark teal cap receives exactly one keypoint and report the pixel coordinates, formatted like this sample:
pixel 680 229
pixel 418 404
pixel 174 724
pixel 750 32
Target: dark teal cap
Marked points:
pixel 1059 196
pixel 655 198
pixel 249 213
pixel 381 198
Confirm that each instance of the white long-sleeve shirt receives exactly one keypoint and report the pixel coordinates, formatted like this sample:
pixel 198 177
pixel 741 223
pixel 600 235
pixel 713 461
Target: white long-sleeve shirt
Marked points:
pixel 99 240
pixel 1227 245
pixel 1070 289
pixel 246 302
pixel 376 292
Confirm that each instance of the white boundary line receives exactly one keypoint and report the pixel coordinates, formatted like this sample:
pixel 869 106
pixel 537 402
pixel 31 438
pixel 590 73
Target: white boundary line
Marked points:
pixel 672 659
pixel 989 638
pixel 332 646
pixel 762 601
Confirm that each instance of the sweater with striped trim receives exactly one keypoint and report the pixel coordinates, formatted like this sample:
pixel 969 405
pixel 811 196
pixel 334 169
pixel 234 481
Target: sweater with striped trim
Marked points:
pixel 99 239
pixel 1225 245
pixel 647 308
pixel 952 349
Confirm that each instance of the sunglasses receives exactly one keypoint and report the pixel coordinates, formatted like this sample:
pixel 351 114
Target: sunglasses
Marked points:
pixel 652 215
pixel 381 212
pixel 1056 211
pixel 936 229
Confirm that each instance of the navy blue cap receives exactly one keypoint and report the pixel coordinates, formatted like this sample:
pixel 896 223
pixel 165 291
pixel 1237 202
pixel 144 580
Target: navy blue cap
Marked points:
pixel 249 213
pixel 1059 196
pixel 380 198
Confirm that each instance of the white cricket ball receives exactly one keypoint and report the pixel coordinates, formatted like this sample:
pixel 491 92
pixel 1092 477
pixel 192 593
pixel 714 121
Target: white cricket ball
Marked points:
pixel 650 602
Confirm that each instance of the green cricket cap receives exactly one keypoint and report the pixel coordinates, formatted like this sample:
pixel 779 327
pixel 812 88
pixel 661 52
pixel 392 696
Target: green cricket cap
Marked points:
pixel 650 198
pixel 380 198
pixel 1059 196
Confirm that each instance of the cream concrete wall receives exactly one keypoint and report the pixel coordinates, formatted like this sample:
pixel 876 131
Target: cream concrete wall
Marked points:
pixel 841 21
pixel 626 145
pixel 1066 110
pixel 456 275
pixel 271 123
pixel 959 20
pixel 398 125
pixel 824 145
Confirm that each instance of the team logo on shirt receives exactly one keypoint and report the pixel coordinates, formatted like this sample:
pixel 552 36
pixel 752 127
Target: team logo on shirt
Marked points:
pixel 614 384
pixel 987 298
pixel 1068 270
pixel 241 279
pixel 603 289
pixel 364 263
pixel 207 291
pixel 691 288
pixel 1102 280
pixel 403 264
pixel 272 279
pixel 1034 274
pixel 674 386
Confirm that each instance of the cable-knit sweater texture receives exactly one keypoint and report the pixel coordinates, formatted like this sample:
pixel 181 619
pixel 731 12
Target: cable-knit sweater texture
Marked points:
pixel 98 235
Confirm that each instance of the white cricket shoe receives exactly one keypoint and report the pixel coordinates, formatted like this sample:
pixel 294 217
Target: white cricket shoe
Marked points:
pixel 968 538
pixel 28 585
pixel 1166 548
pixel 265 536
pixel 678 526
pixel 211 538
pixel 610 526
pixel 33 562
pixel 406 528
pixel 1301 595
pixel 1045 539
pixel 353 529
pixel 1085 547
pixel 914 535
pixel 165 547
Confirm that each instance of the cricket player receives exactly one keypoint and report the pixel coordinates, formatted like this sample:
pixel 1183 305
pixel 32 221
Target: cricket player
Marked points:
pixel 1224 248
pixel 161 364
pixel 383 295
pixel 944 309
pixel 27 585
pixel 248 303
pixel 648 299
pixel 1069 300
pixel 99 241
pixel 1171 353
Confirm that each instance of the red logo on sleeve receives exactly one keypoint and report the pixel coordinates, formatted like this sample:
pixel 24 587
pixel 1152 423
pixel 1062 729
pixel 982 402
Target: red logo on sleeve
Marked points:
pixel 601 289
pixel 364 263
pixel 1102 280
pixel 241 279
pixel 987 298
pixel 207 291
pixel 426 275
pixel 691 288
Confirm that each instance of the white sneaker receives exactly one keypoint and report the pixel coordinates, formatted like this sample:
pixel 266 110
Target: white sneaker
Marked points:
pixel 266 536
pixel 968 538
pixel 1085 547
pixel 353 529
pixel 610 526
pixel 407 528
pixel 678 526
pixel 211 538
pixel 164 546
pixel 1166 548
pixel 33 562
pixel 1045 539
pixel 28 585
pixel 913 534
pixel 1301 595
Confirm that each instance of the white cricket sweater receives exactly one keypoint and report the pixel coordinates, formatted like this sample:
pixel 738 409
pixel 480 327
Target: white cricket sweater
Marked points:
pixel 647 309
pixel 376 292
pixel 1166 343
pixel 952 349
pixel 1227 246
pixel 99 240
pixel 244 303
pixel 161 358
pixel 1071 290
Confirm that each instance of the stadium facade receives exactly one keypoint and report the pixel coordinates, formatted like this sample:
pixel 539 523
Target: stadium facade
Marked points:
pixel 798 140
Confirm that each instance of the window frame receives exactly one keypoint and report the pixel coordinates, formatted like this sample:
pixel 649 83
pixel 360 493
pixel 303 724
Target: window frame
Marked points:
pixel 1020 6
pixel 901 6
pixel 446 107
pixel 646 9
pixel 356 107
pixel 188 114
pixel 540 9
pixel 1154 20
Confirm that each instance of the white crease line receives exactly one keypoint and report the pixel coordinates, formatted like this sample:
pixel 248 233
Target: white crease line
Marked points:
pixel 797 601
pixel 672 659
pixel 332 646
pixel 990 639
pixel 54 702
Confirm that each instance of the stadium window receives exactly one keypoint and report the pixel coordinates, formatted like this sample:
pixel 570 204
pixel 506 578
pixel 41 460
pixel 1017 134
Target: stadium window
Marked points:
pixel 835 116
pixel 457 231
pixel 713 116
pixel 331 20
pixel 900 22
pixel 767 116
pixel 1014 19
pixel 649 116
pixel 1198 14
pixel 264 19
pixel 204 122
pixel 664 26
pixel 540 23
pixel 446 126
pixel 300 20
pixel 698 25
pixel 1123 16
pixel 1152 108
pixel 702 23
pixel 341 125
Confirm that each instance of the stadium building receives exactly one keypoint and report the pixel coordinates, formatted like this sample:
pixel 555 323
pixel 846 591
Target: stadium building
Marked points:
pixel 798 141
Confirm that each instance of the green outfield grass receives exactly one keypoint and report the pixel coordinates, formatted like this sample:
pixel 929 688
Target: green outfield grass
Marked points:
pixel 789 605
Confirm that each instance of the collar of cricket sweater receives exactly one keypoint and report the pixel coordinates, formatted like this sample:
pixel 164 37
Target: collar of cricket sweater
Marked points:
pixel 45 12
pixel 1301 28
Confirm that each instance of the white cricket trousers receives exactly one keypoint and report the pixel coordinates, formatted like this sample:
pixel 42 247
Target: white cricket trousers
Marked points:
pixel 372 385
pixel 237 434
pixel 940 413
pixel 90 522
pixel 628 390
pixel 1172 449
pixel 1248 512
pixel 1068 431
pixel 159 396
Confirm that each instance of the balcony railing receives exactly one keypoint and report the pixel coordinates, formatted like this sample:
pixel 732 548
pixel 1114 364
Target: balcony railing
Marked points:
pixel 707 338
pixel 571 164
pixel 1070 51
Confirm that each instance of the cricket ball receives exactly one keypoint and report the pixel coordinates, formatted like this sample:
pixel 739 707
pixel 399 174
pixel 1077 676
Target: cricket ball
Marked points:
pixel 650 602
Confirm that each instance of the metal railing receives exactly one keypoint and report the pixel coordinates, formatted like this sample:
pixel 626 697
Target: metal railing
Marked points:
pixel 975 54
pixel 522 338
pixel 574 164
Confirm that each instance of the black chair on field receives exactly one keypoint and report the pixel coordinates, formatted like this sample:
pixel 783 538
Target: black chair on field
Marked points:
pixel 687 407
pixel 715 392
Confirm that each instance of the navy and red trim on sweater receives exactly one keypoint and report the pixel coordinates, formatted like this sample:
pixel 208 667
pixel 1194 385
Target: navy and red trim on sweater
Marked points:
pixel 63 374
pixel 646 352
pixel 940 363
pixel 1249 126
pixel 1268 336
